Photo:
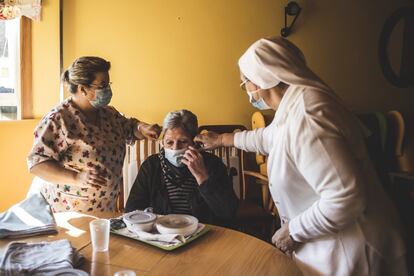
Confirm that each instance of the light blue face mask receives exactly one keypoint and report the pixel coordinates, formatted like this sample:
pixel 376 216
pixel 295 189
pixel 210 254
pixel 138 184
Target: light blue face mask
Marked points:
pixel 175 156
pixel 260 103
pixel 103 97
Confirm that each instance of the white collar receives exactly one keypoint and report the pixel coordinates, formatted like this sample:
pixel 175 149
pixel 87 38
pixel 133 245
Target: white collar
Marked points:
pixel 288 100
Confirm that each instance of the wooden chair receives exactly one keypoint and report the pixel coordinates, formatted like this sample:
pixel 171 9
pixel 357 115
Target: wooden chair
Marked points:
pixel 230 156
pixel 396 134
pixel 401 149
pixel 259 121
pixel 401 146
pixel 267 215
pixel 256 213
pixel 135 155
pixel 376 143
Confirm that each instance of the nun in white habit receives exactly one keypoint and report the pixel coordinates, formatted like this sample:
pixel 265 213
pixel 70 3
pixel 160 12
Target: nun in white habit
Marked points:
pixel 336 218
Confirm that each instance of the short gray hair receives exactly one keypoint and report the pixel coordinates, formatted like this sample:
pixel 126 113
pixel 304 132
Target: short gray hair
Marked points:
pixel 182 119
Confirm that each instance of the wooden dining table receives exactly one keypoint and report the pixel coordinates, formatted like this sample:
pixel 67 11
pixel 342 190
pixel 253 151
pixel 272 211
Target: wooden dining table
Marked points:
pixel 220 251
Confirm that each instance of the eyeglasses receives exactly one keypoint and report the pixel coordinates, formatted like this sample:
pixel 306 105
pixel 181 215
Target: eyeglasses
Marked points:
pixel 243 84
pixel 101 86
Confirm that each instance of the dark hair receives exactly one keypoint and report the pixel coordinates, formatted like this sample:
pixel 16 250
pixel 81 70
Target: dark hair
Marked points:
pixel 83 70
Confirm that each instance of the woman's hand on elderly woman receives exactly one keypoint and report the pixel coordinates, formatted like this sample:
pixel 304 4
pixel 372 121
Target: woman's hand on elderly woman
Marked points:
pixel 148 131
pixel 209 140
pixel 195 163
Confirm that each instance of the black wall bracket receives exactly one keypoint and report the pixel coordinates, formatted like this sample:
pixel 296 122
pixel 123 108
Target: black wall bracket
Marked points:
pixel 292 9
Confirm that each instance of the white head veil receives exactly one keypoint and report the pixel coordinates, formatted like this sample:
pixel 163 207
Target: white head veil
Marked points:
pixel 271 60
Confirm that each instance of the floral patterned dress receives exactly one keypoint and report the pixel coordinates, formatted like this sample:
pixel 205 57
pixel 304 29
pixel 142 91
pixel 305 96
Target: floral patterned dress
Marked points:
pixel 64 135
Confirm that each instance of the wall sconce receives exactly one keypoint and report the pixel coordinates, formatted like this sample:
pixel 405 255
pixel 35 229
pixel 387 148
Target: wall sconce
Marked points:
pixel 292 9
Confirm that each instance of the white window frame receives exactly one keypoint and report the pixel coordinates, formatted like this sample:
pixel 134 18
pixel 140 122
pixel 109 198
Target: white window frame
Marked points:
pixel 12 32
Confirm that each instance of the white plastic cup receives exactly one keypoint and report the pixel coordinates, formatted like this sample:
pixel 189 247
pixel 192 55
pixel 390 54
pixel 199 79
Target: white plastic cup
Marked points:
pixel 125 273
pixel 99 234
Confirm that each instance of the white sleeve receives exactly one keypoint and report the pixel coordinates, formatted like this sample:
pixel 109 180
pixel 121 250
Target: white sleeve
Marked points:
pixel 257 140
pixel 325 159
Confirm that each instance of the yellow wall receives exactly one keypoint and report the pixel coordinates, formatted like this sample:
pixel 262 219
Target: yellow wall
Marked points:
pixel 15 142
pixel 183 54
pixel 45 59
pixel 169 55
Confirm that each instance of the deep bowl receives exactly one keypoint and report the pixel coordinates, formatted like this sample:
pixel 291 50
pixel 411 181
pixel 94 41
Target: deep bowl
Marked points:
pixel 139 221
pixel 177 224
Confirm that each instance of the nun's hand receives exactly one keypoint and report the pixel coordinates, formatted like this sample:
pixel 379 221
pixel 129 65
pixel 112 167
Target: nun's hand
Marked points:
pixel 283 241
pixel 195 163
pixel 209 140
pixel 151 132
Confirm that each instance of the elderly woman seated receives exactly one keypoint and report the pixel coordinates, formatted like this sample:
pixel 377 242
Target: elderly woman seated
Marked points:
pixel 183 180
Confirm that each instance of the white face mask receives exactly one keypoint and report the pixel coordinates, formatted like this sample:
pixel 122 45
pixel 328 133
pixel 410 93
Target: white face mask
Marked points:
pixel 175 156
pixel 260 103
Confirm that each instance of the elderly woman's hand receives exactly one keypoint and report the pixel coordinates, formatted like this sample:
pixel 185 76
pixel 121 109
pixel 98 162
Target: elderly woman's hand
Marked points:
pixel 209 140
pixel 151 132
pixel 195 163
pixel 283 241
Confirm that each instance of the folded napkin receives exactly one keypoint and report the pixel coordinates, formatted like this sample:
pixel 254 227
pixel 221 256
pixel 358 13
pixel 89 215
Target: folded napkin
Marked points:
pixel 23 258
pixel 168 238
pixel 157 238
pixel 32 216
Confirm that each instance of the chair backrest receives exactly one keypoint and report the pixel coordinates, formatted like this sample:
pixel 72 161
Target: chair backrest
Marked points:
pixel 260 120
pixel 377 143
pixel 396 133
pixel 135 155
pixel 231 156
pixel 402 141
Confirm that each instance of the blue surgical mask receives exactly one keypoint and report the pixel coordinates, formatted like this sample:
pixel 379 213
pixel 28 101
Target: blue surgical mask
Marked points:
pixel 103 97
pixel 260 103
pixel 175 156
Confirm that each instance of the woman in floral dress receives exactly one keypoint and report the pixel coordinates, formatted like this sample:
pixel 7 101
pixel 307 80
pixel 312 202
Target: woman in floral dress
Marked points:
pixel 79 146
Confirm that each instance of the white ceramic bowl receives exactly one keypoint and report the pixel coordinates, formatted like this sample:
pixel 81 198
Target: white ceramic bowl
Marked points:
pixel 139 221
pixel 177 224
